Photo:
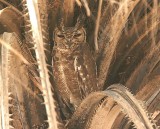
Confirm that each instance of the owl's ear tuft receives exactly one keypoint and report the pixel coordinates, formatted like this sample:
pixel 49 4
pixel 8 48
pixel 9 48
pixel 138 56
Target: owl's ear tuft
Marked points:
pixel 80 21
pixel 61 24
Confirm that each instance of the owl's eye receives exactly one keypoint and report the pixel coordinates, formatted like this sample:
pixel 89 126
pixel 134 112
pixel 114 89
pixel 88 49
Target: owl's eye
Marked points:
pixel 60 35
pixel 77 35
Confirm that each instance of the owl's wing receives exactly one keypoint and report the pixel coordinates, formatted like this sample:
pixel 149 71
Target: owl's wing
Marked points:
pixel 85 67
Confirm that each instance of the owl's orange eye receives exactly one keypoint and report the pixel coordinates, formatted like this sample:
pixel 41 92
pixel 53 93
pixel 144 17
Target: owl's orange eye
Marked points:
pixel 60 36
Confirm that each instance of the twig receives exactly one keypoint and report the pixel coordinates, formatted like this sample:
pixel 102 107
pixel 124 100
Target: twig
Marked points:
pixel 97 25
pixel 13 50
pixel 85 4
pixel 11 6
pixel 78 3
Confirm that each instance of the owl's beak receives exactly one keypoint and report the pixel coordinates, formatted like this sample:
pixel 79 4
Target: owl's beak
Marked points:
pixel 68 44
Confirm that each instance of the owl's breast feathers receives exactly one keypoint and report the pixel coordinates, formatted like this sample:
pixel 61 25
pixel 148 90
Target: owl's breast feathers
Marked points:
pixel 75 74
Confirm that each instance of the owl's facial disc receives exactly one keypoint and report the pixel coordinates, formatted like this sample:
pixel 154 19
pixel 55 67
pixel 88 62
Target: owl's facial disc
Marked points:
pixel 69 38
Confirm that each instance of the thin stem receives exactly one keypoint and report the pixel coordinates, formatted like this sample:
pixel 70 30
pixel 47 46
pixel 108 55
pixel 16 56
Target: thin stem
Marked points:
pixel 97 25
pixel 11 6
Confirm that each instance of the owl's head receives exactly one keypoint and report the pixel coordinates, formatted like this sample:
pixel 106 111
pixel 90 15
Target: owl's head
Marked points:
pixel 69 38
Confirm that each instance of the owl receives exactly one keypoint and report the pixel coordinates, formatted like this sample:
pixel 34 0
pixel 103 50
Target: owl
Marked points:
pixel 74 67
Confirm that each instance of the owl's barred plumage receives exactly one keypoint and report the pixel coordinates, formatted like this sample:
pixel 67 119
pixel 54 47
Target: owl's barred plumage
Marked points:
pixel 74 67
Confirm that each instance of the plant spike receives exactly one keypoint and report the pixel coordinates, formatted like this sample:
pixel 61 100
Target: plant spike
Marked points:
pixel 136 113
pixel 12 100
pixel 5 54
pixel 36 27
pixel 103 106
pixel 110 36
